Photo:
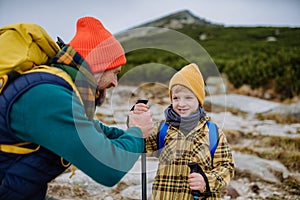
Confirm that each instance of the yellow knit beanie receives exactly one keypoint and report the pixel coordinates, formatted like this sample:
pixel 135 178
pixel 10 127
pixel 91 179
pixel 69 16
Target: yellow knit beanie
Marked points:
pixel 190 77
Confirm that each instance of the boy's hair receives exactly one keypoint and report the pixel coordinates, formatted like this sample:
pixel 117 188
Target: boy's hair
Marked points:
pixel 191 78
pixel 180 88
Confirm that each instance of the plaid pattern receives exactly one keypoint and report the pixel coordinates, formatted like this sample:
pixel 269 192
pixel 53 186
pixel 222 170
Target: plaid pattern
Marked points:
pixel 71 62
pixel 171 178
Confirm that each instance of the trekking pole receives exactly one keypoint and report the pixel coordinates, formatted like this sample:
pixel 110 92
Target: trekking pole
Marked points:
pixel 144 176
pixel 143 160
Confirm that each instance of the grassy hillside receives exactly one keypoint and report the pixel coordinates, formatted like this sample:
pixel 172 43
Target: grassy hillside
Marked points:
pixel 262 57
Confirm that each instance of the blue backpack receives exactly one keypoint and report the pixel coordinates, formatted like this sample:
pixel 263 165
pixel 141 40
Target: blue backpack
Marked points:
pixel 213 136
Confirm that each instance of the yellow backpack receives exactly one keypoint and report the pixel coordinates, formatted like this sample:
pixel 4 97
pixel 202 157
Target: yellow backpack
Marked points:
pixel 26 48
pixel 23 46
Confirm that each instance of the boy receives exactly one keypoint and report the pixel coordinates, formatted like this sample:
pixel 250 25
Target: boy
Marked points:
pixel 186 141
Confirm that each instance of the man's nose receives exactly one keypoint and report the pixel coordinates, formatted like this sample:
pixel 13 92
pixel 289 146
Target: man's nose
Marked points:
pixel 114 82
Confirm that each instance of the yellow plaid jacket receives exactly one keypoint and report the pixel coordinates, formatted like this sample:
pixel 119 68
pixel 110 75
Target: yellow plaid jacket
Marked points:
pixel 171 180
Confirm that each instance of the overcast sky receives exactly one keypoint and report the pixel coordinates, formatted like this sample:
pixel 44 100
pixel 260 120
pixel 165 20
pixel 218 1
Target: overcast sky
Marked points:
pixel 59 17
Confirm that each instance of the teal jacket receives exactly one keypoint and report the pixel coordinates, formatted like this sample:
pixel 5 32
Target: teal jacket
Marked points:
pixel 50 115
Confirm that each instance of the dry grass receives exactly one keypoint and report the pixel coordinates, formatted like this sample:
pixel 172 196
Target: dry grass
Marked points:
pixel 284 149
pixel 279 118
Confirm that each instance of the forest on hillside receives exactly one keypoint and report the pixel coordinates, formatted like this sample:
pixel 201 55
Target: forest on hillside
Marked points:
pixel 261 57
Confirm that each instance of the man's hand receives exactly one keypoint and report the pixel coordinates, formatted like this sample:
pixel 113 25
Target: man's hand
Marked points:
pixel 141 117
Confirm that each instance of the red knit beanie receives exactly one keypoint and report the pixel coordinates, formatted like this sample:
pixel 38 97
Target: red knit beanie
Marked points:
pixel 97 45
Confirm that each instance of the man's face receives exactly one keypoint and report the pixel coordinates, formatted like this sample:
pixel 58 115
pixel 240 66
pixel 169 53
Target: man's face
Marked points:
pixel 104 81
pixel 107 79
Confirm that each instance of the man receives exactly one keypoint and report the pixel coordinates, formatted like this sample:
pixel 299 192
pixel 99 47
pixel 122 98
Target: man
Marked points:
pixel 56 119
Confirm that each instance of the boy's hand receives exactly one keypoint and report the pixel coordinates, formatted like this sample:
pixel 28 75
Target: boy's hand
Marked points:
pixel 140 108
pixel 197 182
pixel 141 117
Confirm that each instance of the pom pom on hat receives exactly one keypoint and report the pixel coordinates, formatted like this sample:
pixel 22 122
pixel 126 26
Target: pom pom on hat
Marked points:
pixel 191 78
pixel 97 45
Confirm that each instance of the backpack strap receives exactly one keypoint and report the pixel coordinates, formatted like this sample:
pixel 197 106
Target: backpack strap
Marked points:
pixel 162 131
pixel 58 72
pixel 17 148
pixel 213 137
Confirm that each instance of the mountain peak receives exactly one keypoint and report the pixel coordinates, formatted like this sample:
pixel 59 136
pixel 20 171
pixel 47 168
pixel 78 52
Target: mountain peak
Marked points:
pixel 175 21
pixel 178 20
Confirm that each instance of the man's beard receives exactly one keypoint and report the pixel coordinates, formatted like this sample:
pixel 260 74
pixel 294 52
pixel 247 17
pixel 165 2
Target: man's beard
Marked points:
pixel 100 97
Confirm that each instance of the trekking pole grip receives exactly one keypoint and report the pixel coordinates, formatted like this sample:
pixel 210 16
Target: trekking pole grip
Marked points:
pixel 193 167
pixel 197 169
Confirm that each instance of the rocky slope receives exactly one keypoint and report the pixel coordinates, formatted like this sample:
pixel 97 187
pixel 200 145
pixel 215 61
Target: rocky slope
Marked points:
pixel 266 151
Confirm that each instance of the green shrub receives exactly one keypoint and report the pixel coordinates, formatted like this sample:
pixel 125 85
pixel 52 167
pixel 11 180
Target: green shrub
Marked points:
pixel 243 53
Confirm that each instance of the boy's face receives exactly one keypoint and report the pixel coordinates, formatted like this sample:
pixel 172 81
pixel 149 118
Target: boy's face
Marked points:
pixel 184 101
